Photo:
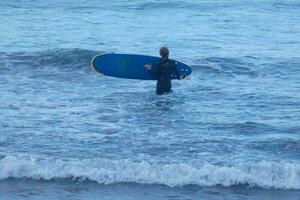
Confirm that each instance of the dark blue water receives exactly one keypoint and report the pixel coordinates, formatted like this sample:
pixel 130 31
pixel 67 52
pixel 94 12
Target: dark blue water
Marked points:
pixel 229 131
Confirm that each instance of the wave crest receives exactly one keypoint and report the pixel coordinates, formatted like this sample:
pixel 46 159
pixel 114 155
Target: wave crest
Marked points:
pixel 73 58
pixel 262 174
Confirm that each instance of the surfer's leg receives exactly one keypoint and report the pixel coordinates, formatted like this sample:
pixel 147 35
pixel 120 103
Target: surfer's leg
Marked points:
pixel 163 86
pixel 159 88
pixel 168 86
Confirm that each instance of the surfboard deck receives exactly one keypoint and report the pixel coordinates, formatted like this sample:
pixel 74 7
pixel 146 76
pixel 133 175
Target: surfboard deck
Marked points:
pixel 132 66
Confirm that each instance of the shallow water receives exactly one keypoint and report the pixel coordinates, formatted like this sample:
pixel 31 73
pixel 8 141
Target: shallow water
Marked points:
pixel 229 131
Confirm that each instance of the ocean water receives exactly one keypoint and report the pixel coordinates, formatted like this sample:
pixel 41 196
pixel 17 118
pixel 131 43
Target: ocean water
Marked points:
pixel 229 131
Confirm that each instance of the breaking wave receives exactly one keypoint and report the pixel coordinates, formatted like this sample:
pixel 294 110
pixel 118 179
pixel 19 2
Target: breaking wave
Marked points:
pixel 265 174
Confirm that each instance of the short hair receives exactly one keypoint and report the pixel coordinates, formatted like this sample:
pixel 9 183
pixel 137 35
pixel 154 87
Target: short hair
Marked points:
pixel 164 52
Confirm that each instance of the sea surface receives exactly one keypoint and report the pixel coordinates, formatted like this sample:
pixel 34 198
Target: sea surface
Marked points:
pixel 231 130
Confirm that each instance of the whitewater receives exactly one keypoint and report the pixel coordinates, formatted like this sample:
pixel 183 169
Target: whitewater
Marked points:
pixel 228 131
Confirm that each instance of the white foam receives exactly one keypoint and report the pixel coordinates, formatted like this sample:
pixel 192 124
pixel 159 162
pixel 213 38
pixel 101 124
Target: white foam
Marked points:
pixel 263 174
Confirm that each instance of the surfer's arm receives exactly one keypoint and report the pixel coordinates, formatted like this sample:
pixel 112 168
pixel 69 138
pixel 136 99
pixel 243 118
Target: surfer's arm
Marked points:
pixel 159 71
pixel 178 75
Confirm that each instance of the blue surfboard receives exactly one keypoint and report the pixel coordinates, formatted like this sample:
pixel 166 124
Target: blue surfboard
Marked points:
pixel 132 66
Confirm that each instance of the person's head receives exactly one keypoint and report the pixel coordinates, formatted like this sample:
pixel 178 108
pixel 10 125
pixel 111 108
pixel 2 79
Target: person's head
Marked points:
pixel 164 52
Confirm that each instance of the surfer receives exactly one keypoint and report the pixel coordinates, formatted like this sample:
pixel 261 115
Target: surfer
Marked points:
pixel 165 68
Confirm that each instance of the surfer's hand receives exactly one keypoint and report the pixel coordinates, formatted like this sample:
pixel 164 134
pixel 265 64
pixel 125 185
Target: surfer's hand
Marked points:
pixel 148 66
pixel 182 76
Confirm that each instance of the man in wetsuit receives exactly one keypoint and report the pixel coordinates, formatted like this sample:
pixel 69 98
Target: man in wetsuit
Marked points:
pixel 165 69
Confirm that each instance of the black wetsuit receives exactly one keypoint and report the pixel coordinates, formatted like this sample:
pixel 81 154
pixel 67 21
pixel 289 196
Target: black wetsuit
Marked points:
pixel 165 69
